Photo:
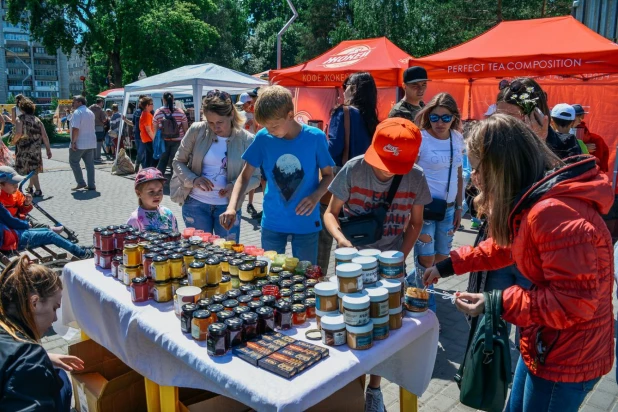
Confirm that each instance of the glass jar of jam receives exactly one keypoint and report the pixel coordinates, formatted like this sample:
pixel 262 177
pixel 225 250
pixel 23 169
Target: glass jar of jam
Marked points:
pixel 234 331
pixel 186 317
pixel 176 265
pixel 275 270
pixel 298 288
pixel 299 314
pixel 233 266
pixel 225 315
pixel 195 244
pixel 130 255
pixel 268 300
pixel 239 310
pixel 214 309
pixel 188 257
pixel 213 270
pixel 249 327
pixel 202 319
pixel 235 280
pixel 131 273
pixel 119 236
pixel 286 284
pixel 116 262
pixel 310 306
pixel 298 297
pixel 224 262
pixel 285 274
pixel 233 294
pixel 310 283
pixel 131 240
pixel 204 303
pixel 243 300
pixel 261 269
pixel 162 291
pixel 160 269
pixel 201 256
pixel 139 289
pixel 286 293
pixel 274 279
pixel 146 262
pixel 230 303
pixel 219 298
pixel 226 284
pixel 259 284
pixel 249 259
pixel 107 241
pixel 298 279
pixel 96 237
pixel 266 320
pixel 255 294
pixel 208 291
pixel 310 293
pixel 254 305
pixel 284 315
pixel 245 289
pixel 197 274
pixel 246 272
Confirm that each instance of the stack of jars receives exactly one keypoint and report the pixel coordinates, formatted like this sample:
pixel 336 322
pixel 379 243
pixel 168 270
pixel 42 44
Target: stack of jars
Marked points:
pixel 108 243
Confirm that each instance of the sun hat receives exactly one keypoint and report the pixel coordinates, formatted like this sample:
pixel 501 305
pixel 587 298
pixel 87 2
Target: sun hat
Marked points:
pixel 395 146
pixel 148 174
pixel 9 175
pixel 563 111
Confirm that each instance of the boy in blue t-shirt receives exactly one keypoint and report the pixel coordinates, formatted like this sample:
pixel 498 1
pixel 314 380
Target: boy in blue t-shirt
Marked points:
pixel 292 156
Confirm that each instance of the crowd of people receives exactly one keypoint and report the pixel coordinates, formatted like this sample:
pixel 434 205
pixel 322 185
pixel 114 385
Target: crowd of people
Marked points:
pixel 539 199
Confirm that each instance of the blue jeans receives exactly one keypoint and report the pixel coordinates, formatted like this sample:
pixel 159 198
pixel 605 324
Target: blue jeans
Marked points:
pixel 171 146
pixel 139 147
pixel 63 399
pixel 304 247
pixel 32 238
pixel 441 234
pixel 148 152
pixel 531 393
pixel 203 216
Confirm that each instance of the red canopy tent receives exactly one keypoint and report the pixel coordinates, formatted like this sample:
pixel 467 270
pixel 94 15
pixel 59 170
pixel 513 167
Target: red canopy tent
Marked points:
pixel 317 83
pixel 572 63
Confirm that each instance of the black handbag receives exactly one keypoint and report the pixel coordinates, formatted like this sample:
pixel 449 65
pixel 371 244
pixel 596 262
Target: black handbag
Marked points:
pixel 436 210
pixel 368 228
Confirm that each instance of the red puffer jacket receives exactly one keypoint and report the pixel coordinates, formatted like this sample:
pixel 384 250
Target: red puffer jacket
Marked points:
pixel 563 246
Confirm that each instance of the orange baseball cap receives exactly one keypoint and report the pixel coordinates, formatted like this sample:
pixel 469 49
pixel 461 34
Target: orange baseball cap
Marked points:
pixel 395 146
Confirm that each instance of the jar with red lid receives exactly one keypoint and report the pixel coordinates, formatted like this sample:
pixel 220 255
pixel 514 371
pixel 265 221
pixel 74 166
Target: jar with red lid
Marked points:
pixel 107 241
pixel 139 289
pixel 119 236
pixel 96 237
pixel 299 314
pixel 272 290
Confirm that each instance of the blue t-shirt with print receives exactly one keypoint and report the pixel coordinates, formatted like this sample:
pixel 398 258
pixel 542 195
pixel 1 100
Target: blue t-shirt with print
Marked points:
pixel 291 168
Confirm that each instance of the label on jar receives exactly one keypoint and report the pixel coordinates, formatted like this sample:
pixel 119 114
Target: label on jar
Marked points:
pixel 364 341
pixel 416 304
pixel 359 283
pixel 370 275
pixel 379 309
pixel 190 277
pixel 176 307
pixel 392 271
pixel 115 271
pixel 380 331
pixel 185 324
pixel 133 294
pixel 356 318
pixel 195 332
pixel 331 338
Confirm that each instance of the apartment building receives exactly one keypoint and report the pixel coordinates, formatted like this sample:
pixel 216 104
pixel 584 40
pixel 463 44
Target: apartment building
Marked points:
pixel 77 68
pixel 25 66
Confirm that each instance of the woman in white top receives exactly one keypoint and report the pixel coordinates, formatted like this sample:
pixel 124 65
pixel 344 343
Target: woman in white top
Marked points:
pixel 207 164
pixel 441 157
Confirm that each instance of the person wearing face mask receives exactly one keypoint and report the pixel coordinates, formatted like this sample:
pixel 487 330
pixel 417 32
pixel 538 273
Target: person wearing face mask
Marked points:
pixel 414 84
pixel 207 164
pixel 31 379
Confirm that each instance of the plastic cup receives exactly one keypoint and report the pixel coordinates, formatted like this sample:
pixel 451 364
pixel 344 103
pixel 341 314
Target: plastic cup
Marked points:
pixel 188 232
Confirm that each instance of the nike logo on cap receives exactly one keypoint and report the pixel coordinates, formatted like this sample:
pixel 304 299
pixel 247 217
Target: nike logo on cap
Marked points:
pixel 391 149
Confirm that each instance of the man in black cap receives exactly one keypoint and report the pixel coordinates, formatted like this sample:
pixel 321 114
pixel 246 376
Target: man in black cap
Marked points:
pixel 414 84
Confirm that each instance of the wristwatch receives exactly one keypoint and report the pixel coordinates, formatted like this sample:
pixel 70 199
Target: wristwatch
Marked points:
pixel 458 207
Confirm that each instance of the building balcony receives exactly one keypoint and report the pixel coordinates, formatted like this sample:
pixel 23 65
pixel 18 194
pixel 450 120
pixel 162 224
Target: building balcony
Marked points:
pixel 42 77
pixel 19 89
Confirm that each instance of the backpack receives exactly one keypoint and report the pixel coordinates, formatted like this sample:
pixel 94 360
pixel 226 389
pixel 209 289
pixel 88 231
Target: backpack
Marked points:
pixel 169 127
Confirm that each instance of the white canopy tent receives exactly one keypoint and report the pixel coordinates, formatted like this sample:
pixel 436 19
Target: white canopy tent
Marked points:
pixel 196 79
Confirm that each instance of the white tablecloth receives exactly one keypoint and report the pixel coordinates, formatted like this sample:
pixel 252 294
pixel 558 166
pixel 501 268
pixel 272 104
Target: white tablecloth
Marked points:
pixel 147 337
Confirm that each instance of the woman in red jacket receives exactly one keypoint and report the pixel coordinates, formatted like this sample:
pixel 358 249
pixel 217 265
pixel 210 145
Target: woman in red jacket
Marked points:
pixel 544 216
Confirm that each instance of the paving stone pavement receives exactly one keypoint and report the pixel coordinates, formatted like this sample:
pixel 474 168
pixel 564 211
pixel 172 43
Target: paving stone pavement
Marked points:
pixel 115 199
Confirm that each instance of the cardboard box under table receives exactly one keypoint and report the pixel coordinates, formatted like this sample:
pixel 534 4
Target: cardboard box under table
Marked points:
pixel 147 337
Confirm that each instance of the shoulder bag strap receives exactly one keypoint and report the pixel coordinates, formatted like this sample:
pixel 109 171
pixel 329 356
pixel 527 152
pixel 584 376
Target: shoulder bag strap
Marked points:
pixel 346 142
pixel 473 325
pixel 490 318
pixel 450 167
pixel 392 190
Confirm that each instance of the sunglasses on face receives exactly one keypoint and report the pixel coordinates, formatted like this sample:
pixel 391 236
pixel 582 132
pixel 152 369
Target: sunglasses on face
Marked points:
pixel 446 118
pixel 216 93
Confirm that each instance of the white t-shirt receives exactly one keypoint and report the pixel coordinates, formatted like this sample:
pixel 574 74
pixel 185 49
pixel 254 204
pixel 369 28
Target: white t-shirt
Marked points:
pixel 83 119
pixel 214 168
pixel 434 157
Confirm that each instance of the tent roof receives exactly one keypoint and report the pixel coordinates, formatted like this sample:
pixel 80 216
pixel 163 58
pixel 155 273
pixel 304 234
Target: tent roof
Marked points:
pixel 379 56
pixel 104 93
pixel 208 75
pixel 538 47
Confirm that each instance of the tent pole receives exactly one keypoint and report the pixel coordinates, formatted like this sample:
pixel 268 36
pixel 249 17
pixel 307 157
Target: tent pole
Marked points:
pixel 197 101
pixel 283 30
pixel 125 107
pixel 470 98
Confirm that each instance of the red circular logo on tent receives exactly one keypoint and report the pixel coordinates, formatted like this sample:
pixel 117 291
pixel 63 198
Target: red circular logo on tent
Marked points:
pixel 347 57
pixel 302 117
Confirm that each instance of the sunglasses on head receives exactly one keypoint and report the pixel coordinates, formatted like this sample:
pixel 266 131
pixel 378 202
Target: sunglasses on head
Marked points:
pixel 216 93
pixel 515 87
pixel 446 118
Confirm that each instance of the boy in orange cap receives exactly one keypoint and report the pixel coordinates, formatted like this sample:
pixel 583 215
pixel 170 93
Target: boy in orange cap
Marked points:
pixel 362 187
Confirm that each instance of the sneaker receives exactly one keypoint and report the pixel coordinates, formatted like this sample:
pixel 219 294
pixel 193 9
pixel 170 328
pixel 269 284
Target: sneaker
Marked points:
pixel 78 187
pixel 92 188
pixel 251 210
pixel 374 400
pixel 475 225
pixel 88 254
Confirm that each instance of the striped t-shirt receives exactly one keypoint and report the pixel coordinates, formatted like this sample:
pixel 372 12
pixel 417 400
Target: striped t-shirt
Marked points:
pixel 178 114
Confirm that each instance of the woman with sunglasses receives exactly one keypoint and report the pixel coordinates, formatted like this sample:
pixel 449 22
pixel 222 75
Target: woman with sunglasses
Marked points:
pixel 207 164
pixel 545 216
pixel 524 99
pixel 31 379
pixel 441 157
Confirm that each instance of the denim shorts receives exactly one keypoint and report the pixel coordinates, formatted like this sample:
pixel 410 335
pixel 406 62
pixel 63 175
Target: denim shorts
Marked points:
pixel 441 234
pixel 304 246
pixel 205 217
